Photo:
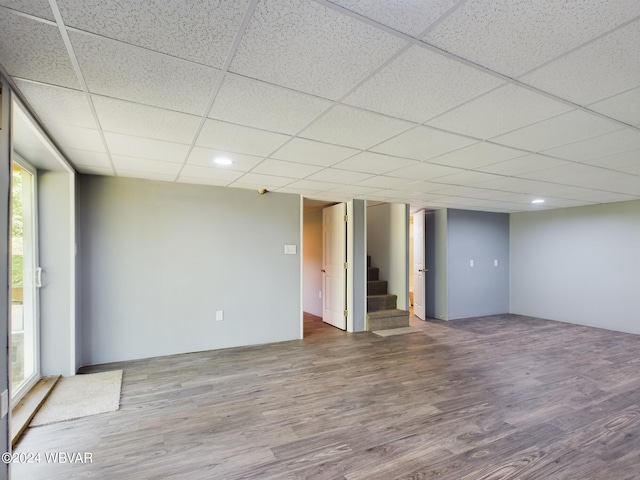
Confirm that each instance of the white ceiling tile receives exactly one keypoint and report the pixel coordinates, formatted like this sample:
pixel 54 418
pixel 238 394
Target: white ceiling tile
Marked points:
pixel 58 104
pixel 561 130
pixel 609 144
pixel 313 186
pixel 467 177
pixel 203 181
pixel 353 127
pixel 383 181
pixel 624 107
pixel 514 36
pixel 87 158
pixel 285 169
pixel 560 187
pixel 68 136
pixel 261 105
pixel 514 185
pixel 40 55
pixel 598 70
pixel 237 138
pixel 499 111
pixel 196 30
pixel 600 196
pixel 477 155
pixel 526 164
pixel 587 176
pixel 38 8
pixel 302 44
pixel 130 146
pixel 146 175
pixel 262 181
pixel 422 187
pixel 563 202
pixel 407 16
pixel 572 173
pixel 313 153
pixel 124 71
pixel 374 163
pixel 133 164
pixel 355 190
pixel 420 84
pixel 339 176
pixel 143 121
pixel 619 161
pixel 425 197
pixel 424 171
pixel 423 143
pixel 294 191
pixel 205 157
pixel 219 175
pixel 471 192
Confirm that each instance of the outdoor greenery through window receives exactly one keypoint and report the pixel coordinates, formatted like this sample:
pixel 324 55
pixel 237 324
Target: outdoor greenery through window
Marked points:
pixel 22 279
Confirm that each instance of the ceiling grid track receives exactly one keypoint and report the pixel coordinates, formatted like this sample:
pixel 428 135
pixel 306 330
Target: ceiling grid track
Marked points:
pixel 83 84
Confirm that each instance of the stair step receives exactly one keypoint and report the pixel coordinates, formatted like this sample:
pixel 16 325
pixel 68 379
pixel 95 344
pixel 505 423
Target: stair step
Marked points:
pixel 385 319
pixel 377 287
pixel 381 302
pixel 373 273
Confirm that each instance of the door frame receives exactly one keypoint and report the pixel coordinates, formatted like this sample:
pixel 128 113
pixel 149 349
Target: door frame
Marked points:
pixel 419 268
pixel 18 394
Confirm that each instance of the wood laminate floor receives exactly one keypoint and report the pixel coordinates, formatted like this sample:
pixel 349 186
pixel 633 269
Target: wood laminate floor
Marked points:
pixel 500 397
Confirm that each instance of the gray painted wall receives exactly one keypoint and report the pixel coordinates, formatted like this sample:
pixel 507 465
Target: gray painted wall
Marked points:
pixel 56 218
pixel 579 265
pixel 484 288
pixel 312 275
pixel 158 260
pixel 435 281
pixel 357 259
pixel 5 208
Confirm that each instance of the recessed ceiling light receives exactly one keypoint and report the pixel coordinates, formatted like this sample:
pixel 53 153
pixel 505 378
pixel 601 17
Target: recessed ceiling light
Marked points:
pixel 537 201
pixel 224 161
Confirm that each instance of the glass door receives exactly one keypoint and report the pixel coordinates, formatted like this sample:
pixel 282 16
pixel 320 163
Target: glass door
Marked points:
pixel 25 365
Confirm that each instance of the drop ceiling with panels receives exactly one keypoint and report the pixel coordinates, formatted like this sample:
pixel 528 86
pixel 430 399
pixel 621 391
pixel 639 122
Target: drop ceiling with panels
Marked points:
pixel 474 104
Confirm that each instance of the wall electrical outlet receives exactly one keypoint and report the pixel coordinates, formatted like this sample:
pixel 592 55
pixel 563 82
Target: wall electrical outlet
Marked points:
pixel 319 293
pixel 471 263
pixel 495 262
pixel 219 316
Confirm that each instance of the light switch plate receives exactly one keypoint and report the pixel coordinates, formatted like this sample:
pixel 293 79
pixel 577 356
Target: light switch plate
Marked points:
pixel 290 249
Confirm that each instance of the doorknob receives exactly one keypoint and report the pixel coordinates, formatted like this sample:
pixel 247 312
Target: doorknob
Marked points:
pixel 423 270
pixel 323 271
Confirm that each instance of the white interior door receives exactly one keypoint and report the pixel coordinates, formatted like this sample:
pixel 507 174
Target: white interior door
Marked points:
pixel 334 256
pixel 419 269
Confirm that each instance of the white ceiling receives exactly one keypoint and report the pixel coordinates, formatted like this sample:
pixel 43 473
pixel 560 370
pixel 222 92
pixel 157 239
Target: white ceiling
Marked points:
pixel 474 104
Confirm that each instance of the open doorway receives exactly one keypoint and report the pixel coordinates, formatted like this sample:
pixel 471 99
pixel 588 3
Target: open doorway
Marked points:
pixel 312 276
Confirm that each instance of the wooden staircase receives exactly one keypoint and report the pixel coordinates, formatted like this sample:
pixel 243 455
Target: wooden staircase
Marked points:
pixel 382 311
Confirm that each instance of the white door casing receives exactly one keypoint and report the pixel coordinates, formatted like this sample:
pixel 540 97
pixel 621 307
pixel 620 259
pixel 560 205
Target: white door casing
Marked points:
pixel 334 257
pixel 419 269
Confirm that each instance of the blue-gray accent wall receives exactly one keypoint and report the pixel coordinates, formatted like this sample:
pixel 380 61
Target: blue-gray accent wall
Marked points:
pixel 481 289
pixel 454 288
